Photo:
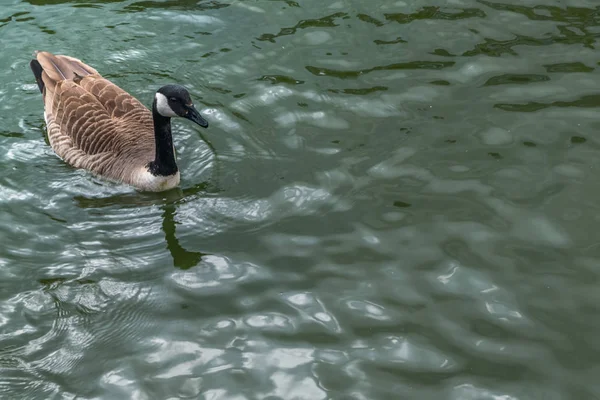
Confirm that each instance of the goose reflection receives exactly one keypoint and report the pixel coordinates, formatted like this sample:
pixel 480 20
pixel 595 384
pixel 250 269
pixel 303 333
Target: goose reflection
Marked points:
pixel 182 258
pixel 167 202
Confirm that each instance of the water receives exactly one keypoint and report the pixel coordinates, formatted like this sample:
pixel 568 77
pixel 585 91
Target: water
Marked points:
pixel 393 200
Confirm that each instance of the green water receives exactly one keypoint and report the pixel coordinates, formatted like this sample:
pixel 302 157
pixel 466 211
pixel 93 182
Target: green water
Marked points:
pixel 394 200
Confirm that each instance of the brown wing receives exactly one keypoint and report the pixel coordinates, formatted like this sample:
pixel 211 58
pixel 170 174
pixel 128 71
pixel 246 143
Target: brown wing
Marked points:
pixel 91 121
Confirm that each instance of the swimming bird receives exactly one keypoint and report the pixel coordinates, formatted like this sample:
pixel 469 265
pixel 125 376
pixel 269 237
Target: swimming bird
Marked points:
pixel 95 125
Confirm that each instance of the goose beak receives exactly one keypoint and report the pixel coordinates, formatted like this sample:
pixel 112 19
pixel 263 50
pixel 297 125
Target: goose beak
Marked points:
pixel 194 116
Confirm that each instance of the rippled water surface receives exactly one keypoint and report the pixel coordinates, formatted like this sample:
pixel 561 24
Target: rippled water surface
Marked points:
pixel 394 200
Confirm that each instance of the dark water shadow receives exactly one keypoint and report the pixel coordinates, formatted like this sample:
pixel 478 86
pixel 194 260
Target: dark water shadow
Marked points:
pixel 75 2
pixel 177 5
pixel 329 21
pixel 353 74
pixel 516 79
pixel 588 101
pixel 140 6
pixel 435 13
pixel 9 134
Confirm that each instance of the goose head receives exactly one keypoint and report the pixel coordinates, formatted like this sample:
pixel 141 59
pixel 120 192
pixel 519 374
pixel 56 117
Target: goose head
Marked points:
pixel 175 101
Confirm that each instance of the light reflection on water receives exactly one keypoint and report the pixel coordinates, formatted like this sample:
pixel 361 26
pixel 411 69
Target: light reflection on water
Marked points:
pixel 393 200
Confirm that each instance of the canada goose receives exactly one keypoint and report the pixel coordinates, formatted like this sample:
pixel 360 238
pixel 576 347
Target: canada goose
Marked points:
pixel 95 125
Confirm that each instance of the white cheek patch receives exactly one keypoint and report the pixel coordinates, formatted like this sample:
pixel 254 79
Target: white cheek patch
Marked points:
pixel 162 106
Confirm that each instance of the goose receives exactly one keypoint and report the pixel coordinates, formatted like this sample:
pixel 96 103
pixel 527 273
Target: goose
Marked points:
pixel 95 125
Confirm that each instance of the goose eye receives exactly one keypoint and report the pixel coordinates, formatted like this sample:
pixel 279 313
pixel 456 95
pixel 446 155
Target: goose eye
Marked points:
pixel 173 99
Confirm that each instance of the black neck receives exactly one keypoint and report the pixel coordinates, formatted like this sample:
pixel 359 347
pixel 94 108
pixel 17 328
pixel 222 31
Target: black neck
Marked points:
pixel 164 160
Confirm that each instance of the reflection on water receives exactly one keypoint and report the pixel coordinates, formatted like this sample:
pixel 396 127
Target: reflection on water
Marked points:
pixel 393 200
pixel 181 257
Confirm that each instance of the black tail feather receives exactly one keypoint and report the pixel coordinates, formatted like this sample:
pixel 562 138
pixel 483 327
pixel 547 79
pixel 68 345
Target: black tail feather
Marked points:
pixel 37 70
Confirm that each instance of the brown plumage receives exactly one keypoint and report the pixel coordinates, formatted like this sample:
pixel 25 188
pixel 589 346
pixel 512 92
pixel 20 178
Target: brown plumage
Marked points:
pixel 95 125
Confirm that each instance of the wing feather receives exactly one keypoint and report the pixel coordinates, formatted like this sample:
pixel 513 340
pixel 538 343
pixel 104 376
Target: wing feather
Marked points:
pixel 91 121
